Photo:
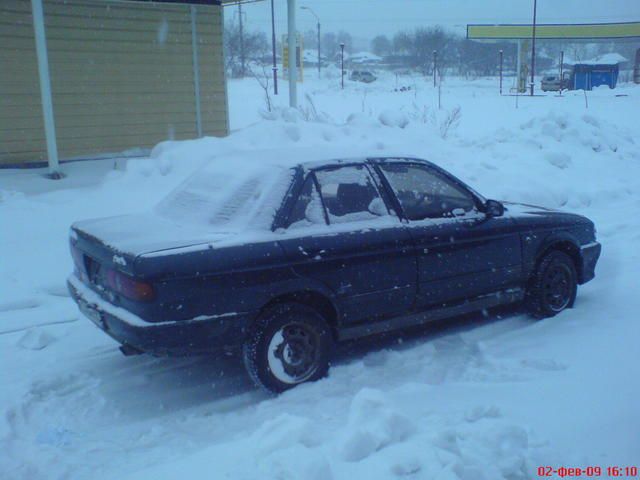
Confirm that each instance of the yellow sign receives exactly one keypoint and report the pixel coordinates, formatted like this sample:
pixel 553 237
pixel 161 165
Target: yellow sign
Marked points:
pixel 285 57
pixel 577 31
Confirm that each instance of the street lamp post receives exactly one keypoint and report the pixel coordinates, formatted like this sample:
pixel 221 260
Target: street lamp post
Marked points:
pixel 342 65
pixel 319 49
pixel 533 46
pixel 318 23
pixel 435 66
pixel 561 72
pixel 501 59
pixel 273 50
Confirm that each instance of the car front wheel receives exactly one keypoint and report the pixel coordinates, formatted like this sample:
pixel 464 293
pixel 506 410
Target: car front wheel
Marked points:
pixel 553 286
pixel 288 345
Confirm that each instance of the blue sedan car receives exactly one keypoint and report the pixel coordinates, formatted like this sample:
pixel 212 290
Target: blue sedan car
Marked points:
pixel 280 259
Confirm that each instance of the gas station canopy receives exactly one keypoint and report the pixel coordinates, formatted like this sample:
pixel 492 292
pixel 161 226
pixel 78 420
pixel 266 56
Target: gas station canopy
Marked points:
pixel 584 31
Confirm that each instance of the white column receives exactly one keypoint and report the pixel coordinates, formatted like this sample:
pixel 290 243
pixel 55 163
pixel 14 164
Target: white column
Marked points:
pixel 293 68
pixel 196 70
pixel 45 88
pixel 518 66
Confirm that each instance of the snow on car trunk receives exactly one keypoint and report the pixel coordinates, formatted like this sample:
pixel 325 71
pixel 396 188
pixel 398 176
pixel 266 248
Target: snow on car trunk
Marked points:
pixel 136 234
pixel 214 203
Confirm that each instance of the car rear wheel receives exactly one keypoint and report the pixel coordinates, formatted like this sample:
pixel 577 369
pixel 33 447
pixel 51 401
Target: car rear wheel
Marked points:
pixel 288 345
pixel 553 286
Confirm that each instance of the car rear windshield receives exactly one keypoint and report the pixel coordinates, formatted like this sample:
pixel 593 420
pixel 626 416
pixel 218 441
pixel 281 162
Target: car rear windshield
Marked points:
pixel 229 197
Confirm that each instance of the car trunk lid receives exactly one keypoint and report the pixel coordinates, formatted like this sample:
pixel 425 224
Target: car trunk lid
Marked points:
pixel 117 242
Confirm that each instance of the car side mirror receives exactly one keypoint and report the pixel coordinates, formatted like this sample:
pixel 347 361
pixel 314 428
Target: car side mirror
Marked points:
pixel 494 208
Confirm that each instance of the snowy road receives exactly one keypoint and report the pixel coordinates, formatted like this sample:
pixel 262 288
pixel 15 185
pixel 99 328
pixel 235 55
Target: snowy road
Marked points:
pixel 476 398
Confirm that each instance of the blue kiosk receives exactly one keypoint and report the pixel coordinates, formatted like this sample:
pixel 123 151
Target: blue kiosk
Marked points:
pixel 585 76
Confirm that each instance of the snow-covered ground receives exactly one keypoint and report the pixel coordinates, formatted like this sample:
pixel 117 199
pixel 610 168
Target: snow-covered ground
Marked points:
pixel 479 398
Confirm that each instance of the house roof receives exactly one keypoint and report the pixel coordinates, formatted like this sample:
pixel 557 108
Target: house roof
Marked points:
pixel 606 59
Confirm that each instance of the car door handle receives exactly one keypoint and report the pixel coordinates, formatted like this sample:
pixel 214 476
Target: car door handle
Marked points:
pixel 312 253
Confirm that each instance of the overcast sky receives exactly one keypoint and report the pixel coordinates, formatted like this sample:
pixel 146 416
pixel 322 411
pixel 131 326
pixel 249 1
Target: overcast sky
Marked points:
pixel 367 18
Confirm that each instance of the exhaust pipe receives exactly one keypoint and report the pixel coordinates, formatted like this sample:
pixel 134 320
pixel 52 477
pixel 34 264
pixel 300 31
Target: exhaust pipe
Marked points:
pixel 128 350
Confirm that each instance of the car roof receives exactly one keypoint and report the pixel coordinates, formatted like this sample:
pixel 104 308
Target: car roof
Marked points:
pixel 336 162
pixel 310 158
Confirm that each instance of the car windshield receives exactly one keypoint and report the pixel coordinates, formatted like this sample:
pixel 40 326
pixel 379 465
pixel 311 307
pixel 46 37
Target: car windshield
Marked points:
pixel 228 199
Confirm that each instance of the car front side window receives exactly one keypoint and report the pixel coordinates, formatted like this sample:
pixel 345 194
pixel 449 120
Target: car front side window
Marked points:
pixel 425 193
pixel 349 194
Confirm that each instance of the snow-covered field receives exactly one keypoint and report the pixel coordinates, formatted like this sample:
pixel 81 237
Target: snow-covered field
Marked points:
pixel 479 398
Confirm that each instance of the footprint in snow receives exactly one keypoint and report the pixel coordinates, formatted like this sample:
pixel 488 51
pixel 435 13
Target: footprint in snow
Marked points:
pixel 549 365
pixel 20 305
pixel 480 412
pixel 35 339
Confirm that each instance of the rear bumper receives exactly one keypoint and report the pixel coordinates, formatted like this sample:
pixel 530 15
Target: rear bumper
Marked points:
pixel 222 333
pixel 590 254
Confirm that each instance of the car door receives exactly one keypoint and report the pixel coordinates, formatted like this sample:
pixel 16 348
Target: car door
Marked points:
pixel 462 252
pixel 342 234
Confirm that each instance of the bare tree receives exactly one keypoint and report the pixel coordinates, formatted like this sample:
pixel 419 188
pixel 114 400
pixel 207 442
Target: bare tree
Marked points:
pixel 256 46
pixel 414 49
pixel 345 37
pixel 310 38
pixel 263 77
pixel 330 45
pixel 402 43
pixel 449 121
pixel 381 45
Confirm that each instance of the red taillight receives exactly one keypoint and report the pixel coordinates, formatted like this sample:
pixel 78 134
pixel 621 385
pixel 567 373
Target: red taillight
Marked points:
pixel 129 287
pixel 78 262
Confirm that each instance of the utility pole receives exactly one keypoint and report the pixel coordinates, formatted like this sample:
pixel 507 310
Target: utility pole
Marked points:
pixel 242 59
pixel 533 46
pixel 561 72
pixel 273 49
pixel 501 58
pixel 342 64
pixel 293 53
pixel 319 48
pixel 435 66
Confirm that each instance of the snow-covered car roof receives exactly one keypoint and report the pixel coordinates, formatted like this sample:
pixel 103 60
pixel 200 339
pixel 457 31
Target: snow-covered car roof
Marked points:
pixel 242 190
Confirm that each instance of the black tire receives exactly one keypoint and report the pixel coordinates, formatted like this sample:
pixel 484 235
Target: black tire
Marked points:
pixel 553 285
pixel 302 354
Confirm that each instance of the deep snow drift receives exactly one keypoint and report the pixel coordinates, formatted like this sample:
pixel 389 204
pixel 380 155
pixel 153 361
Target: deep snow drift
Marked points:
pixel 489 396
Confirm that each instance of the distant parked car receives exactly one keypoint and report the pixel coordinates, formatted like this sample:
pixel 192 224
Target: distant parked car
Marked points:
pixel 362 76
pixel 280 260
pixel 552 83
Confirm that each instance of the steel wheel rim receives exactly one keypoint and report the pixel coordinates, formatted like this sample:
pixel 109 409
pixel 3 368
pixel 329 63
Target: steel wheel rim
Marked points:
pixel 558 287
pixel 293 353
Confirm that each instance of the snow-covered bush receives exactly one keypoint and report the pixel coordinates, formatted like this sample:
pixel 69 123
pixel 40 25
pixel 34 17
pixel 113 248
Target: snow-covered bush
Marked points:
pixel 394 118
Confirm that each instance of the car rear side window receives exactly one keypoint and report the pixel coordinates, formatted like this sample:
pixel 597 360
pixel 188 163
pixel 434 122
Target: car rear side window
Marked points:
pixel 425 193
pixel 308 207
pixel 349 194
